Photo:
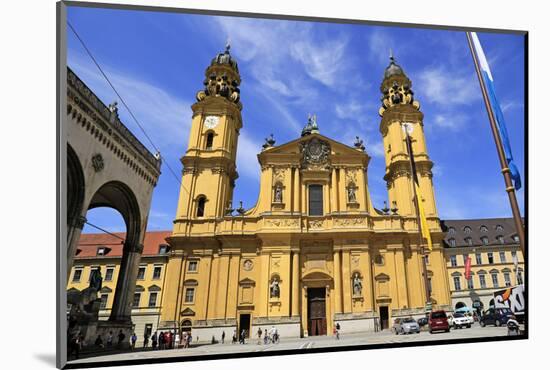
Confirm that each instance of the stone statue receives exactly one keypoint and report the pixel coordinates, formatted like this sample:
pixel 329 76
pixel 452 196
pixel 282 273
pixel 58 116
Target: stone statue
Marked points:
pixel 274 288
pixel 351 195
pixel 278 194
pixel 357 285
pixel 96 280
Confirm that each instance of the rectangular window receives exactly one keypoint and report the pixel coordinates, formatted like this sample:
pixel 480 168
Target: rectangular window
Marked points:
pixel 315 200
pixel 193 266
pixel 507 281
pixel 189 295
pixel 456 280
pixel 453 261
pixel 103 304
pixel 101 251
pixel 502 256
pixel 152 299
pixel 163 249
pixel 156 272
pixel 478 259
pixel 77 275
pixel 92 270
pixel 137 298
pixel 470 283
pixel 495 280
pixel 482 282
pixel 109 273
pixel 490 257
pixel 514 254
pixel 141 273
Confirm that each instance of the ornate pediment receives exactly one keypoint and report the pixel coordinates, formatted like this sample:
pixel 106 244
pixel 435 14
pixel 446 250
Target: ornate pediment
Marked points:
pixel 247 281
pixel 187 312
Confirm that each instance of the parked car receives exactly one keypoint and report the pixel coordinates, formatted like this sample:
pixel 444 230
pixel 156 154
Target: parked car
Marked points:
pixel 438 321
pixel 459 320
pixel 497 317
pixel 405 326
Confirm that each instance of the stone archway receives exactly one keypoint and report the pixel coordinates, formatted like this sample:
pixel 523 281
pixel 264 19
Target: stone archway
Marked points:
pixel 459 305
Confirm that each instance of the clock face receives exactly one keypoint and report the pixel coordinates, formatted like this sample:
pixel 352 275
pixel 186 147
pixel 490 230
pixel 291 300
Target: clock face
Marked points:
pixel 211 121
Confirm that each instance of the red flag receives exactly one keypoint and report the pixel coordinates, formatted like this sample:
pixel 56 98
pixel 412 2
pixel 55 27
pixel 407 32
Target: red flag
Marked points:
pixel 468 269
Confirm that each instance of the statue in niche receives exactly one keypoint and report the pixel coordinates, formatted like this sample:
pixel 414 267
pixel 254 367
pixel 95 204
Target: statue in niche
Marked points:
pixel 274 289
pixel 278 197
pixel 357 285
pixel 351 194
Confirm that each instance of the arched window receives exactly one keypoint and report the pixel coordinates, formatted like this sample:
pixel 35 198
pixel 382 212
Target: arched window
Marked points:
pixel 200 206
pixel 209 140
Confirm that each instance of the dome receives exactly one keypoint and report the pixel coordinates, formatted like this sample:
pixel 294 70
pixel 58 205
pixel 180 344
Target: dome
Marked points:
pixel 225 58
pixel 393 69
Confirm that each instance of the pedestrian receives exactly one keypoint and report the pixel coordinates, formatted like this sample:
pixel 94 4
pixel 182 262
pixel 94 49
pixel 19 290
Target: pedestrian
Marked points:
pixel 185 338
pixel 145 340
pixel 168 340
pixel 243 333
pixel 133 338
pixel 276 336
pixel 110 339
pixel 223 336
pixel 74 345
pixel 177 339
pixel 260 335
pixel 337 330
pixel 161 340
pixel 265 336
pixel 121 337
pixel 99 341
pixel 154 340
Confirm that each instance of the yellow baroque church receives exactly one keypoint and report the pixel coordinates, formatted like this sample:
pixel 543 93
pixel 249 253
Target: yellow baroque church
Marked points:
pixel 313 251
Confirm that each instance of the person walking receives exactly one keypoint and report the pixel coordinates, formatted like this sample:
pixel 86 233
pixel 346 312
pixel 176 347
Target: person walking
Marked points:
pixel 154 340
pixel 234 340
pixel 177 339
pixel 337 330
pixel 121 337
pixel 133 339
pixel 223 336
pixel 145 340
pixel 161 340
pixel 110 339
pixel 266 338
pixel 260 336
pixel 99 341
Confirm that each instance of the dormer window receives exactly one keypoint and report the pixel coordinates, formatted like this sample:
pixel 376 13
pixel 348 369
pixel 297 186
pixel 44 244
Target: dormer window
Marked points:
pixel 500 238
pixel 516 238
pixel 101 251
pixel 452 230
pixel 452 242
pixel 469 241
pixel 163 248
pixel 485 240
pixel 499 228
pixel 483 229
pixel 467 229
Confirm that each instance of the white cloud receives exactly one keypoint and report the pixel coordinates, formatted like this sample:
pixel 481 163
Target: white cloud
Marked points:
pixel 165 117
pixel 444 87
pixel 247 160
pixel 450 121
pixel 508 105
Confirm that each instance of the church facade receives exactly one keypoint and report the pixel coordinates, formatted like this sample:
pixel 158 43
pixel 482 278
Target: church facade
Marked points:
pixel 313 251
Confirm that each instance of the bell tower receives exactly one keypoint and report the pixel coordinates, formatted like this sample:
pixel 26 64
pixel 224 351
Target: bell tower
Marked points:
pixel 399 107
pixel 209 164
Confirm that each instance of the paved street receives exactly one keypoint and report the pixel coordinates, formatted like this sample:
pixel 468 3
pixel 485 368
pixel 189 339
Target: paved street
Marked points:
pixel 385 336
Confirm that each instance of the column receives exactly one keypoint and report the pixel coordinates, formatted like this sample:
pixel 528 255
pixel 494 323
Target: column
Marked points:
pixel 334 192
pixel 295 283
pixel 346 280
pixel 74 229
pixel 223 279
pixel 337 282
pixel 369 289
pixel 126 283
pixel 296 190
pixel 213 287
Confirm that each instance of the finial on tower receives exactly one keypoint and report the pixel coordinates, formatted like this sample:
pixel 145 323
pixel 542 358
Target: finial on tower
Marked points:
pixel 227 45
pixel 392 59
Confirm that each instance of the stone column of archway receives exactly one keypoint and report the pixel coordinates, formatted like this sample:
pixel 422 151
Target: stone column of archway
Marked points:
pixel 75 206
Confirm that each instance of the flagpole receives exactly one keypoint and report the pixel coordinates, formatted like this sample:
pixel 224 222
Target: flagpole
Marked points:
pixel 500 150
pixel 420 238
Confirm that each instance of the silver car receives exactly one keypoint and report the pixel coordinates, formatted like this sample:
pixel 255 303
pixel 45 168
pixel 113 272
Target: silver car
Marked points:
pixel 405 326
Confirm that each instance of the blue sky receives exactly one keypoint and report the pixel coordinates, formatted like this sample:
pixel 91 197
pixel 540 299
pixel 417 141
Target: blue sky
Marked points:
pixel 289 69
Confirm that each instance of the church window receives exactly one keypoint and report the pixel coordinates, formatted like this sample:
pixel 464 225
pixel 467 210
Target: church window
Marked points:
pixel 193 266
pixel 315 200
pixel 189 295
pixel 209 140
pixel 200 206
